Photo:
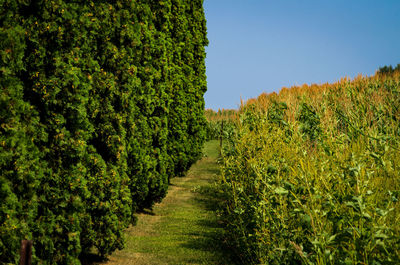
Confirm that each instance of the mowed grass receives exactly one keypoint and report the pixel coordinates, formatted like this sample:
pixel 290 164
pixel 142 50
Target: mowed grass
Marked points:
pixel 183 228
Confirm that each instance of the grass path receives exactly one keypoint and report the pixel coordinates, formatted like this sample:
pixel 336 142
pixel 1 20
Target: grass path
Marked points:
pixel 183 228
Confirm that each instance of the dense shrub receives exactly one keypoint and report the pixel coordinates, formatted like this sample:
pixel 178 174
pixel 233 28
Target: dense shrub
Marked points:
pixel 187 83
pixel 101 103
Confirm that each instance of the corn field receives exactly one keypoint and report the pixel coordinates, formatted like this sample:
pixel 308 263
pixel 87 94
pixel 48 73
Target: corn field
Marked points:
pixel 311 175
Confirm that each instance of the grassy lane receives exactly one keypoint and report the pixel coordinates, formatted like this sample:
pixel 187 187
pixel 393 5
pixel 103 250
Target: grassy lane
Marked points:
pixel 183 229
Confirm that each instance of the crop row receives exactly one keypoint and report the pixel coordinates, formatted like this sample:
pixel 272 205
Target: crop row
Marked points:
pixel 312 175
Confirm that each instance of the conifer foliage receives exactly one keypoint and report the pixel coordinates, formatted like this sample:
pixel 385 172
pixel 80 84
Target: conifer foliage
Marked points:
pixel 101 103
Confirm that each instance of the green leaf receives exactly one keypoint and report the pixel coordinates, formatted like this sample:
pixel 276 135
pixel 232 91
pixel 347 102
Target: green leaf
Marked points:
pixel 281 191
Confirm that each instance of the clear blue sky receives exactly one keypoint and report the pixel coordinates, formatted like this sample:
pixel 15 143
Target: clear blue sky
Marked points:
pixel 262 45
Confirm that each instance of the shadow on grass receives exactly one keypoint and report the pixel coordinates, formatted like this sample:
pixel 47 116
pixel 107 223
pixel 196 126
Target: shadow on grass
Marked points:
pixel 91 259
pixel 207 170
pixel 212 237
pixel 146 211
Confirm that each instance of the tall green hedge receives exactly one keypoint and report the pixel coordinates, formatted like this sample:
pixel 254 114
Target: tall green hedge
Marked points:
pixel 188 83
pixel 101 103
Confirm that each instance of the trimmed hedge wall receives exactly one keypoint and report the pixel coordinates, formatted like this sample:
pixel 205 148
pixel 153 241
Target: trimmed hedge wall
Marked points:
pixel 101 103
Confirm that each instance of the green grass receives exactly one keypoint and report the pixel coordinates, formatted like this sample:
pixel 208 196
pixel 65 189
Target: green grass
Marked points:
pixel 183 229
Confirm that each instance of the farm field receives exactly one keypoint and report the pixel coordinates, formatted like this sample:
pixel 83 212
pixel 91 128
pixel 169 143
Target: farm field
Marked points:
pixel 110 155
pixel 311 174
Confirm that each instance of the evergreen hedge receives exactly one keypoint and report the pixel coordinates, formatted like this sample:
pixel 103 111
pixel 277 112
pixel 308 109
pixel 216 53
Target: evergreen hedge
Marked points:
pixel 101 103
